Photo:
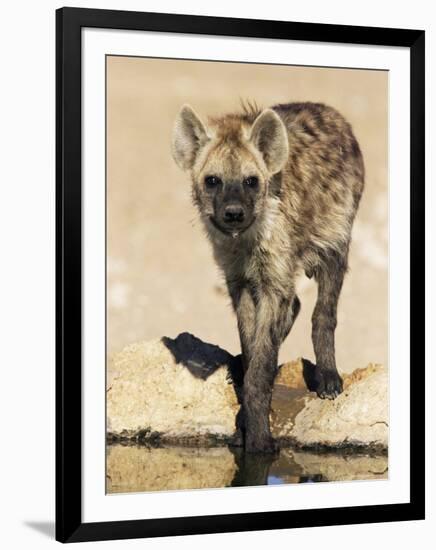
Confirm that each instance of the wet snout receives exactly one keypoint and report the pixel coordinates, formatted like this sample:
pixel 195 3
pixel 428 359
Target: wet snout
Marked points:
pixel 232 207
pixel 233 214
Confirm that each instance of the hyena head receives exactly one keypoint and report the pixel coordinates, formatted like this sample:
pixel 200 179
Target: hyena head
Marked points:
pixel 231 162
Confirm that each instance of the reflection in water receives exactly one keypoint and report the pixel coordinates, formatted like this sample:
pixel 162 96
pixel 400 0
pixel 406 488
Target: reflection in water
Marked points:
pixel 140 468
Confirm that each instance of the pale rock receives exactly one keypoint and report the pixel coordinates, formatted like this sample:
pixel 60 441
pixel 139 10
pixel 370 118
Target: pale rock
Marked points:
pixel 172 388
pixel 358 417
pixel 180 390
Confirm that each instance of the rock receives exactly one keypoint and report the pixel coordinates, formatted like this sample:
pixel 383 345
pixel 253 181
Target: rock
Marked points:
pixel 291 375
pixel 358 417
pixel 172 389
pixel 183 391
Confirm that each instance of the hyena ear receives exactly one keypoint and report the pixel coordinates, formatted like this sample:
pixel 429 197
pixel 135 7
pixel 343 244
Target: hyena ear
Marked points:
pixel 189 135
pixel 269 135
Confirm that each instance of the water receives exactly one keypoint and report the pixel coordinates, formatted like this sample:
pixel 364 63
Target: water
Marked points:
pixel 142 469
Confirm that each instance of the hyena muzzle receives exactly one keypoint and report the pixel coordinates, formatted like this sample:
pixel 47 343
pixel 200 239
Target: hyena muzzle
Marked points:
pixel 277 191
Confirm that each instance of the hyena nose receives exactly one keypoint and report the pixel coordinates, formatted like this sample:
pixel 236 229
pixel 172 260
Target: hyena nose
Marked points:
pixel 233 214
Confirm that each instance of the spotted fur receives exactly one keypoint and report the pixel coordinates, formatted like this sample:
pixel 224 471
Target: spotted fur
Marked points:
pixel 310 175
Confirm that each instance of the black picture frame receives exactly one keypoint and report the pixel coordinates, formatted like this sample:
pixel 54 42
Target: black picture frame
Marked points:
pixel 69 525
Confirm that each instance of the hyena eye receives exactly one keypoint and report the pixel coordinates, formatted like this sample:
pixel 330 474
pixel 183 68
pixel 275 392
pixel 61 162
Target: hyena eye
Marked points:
pixel 251 181
pixel 211 181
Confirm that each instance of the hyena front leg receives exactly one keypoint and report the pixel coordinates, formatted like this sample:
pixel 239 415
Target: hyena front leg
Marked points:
pixel 272 321
pixel 244 307
pixel 246 315
pixel 262 328
pixel 329 276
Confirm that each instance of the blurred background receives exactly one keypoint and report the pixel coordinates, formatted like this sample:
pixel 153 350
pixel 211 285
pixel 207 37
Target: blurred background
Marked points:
pixel 161 277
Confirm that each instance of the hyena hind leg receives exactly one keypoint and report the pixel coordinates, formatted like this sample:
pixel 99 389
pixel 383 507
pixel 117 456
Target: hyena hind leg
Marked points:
pixel 329 276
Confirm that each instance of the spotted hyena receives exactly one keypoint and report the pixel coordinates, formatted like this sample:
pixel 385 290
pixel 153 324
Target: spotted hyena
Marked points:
pixel 277 191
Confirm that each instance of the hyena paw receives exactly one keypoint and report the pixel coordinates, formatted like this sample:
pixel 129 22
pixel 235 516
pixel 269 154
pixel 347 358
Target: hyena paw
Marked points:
pixel 329 383
pixel 265 444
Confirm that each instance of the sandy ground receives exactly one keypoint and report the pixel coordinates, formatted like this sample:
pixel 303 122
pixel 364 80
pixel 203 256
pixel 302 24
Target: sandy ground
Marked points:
pixel 161 276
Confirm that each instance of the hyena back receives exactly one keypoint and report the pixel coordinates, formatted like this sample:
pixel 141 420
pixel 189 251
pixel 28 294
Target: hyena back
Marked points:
pixel 277 191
